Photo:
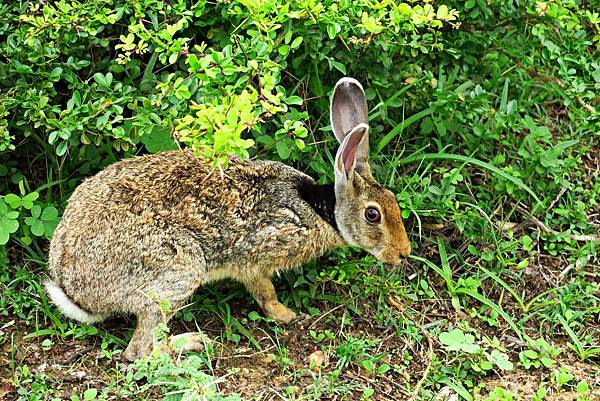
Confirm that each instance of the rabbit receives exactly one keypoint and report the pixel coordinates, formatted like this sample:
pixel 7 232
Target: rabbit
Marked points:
pixel 157 227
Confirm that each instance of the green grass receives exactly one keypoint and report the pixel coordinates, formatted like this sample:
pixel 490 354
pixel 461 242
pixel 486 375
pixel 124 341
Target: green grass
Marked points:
pixel 393 339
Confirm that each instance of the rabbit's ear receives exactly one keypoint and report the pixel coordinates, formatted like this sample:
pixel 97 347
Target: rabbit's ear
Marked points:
pixel 347 157
pixel 348 107
pixel 348 111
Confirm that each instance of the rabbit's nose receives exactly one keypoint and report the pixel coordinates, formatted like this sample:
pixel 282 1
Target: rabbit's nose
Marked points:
pixel 405 251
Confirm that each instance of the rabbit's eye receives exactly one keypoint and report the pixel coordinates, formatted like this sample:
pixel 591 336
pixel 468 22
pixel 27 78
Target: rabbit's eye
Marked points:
pixel 372 215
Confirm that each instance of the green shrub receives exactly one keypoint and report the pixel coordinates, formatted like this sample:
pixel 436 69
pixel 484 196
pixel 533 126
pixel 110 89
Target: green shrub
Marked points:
pixel 84 83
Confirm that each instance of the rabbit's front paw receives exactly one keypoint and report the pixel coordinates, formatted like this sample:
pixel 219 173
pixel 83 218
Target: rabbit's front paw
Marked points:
pixel 279 313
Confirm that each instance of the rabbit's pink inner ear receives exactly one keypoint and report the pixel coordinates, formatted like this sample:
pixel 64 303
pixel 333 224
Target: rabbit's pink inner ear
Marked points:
pixel 349 151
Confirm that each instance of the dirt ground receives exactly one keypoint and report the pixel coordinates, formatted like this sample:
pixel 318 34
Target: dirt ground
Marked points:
pixel 75 365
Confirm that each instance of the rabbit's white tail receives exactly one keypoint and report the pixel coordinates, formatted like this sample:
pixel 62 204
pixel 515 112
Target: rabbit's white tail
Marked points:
pixel 68 307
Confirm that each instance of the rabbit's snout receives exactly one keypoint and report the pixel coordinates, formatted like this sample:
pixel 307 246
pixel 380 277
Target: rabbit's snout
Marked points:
pixel 405 251
pixel 394 256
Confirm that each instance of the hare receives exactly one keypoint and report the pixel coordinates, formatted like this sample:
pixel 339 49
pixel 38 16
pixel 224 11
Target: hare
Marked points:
pixel 157 227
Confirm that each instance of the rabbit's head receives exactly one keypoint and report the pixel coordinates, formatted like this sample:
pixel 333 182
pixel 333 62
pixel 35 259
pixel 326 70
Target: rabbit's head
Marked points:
pixel 366 213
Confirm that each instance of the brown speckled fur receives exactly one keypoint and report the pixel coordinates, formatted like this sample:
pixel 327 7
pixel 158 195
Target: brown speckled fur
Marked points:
pixel 158 227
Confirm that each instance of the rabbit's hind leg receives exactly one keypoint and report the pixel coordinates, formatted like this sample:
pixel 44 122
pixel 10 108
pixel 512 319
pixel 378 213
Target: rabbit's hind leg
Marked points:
pixel 174 285
pixel 263 291
pixel 142 341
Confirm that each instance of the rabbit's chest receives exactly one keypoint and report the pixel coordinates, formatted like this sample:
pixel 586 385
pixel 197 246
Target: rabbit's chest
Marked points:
pixel 280 239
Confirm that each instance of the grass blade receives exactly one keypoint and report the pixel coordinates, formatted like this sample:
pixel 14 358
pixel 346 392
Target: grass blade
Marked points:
pixel 438 270
pixel 475 295
pixel 504 99
pixel 399 128
pixel 578 347
pixel 374 113
pixel 504 285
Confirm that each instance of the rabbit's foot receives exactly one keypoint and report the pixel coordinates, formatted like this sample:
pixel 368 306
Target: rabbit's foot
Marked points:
pixel 186 342
pixel 141 342
pixel 279 313
pixel 137 349
pixel 264 293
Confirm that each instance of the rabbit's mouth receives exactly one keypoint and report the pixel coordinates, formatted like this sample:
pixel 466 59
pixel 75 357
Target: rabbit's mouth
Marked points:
pixel 394 257
pixel 405 251
pixel 392 261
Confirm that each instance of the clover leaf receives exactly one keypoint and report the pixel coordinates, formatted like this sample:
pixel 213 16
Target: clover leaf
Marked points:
pixel 8 222
pixel 457 340
pixel 500 359
pixel 16 201
pixel 42 222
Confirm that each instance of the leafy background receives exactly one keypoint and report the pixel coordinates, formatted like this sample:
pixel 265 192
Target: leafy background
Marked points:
pixel 485 123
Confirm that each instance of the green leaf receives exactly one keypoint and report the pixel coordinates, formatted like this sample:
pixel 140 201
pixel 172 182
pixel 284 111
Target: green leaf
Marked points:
pixel 21 68
pixel 486 365
pixel 531 354
pixel 283 50
pixel 192 61
pixel 500 359
pixel 294 100
pixel 254 316
pixel 331 31
pixel 4 234
pixel 36 211
pixel 283 150
pixel 547 362
pixel 159 139
pixel 50 213
pixel 582 387
pixel 13 214
pixel 100 79
pixel 11 225
pixel 296 42
pixel 90 394
pixel 31 196
pixel 55 74
pixel 37 228
pixel 383 368
pixel 13 200
pixel 337 65
pixel 368 365
pixel 61 149
pixel 103 80
pixel 457 340
pixel 27 200
pixel 442 12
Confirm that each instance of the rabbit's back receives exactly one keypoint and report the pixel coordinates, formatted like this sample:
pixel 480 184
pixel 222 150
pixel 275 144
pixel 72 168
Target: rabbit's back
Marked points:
pixel 155 223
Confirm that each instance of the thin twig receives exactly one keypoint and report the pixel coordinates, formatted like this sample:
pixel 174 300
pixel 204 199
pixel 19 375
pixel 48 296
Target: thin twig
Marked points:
pixel 570 267
pixel 544 228
pixel 324 314
pixel 560 194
